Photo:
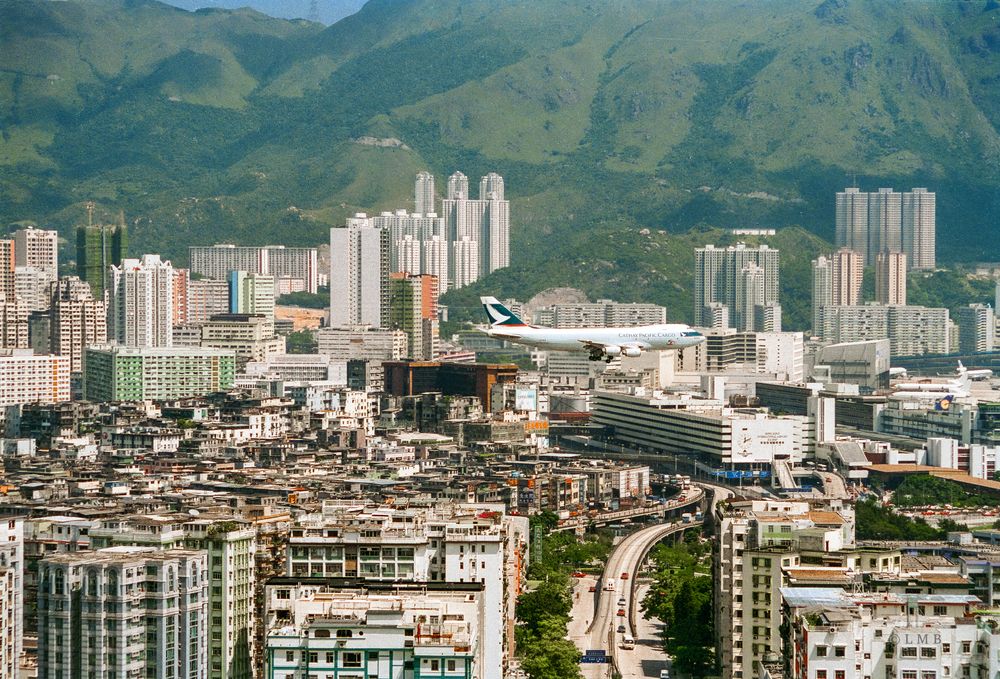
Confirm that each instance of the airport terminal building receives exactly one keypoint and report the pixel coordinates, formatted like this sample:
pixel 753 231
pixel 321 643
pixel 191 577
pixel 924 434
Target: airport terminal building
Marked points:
pixel 724 438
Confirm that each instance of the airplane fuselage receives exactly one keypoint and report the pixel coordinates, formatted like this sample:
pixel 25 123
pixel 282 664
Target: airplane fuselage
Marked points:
pixel 648 337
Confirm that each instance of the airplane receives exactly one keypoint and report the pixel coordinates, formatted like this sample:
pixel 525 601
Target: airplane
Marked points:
pixel 930 391
pixel 897 372
pixel 976 374
pixel 961 384
pixel 601 343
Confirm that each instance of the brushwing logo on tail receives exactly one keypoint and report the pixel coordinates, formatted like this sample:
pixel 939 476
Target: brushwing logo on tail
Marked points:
pixel 496 317
pixel 498 313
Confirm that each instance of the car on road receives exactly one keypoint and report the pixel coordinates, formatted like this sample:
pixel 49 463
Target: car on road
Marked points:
pixel 622 602
pixel 664 674
pixel 592 588
pixel 621 629
pixel 621 611
pixel 579 574
pixel 624 576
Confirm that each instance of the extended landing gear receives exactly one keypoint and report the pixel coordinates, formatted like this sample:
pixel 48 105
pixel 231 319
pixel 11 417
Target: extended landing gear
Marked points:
pixel 597 355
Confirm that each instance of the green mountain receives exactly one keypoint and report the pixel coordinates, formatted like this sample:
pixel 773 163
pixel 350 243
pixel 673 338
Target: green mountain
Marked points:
pixel 604 118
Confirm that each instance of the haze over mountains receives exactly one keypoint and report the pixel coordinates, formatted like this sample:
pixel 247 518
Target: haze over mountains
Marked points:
pixel 327 11
pixel 604 118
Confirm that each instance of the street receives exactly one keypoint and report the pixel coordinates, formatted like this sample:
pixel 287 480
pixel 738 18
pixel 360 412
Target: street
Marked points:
pixel 602 633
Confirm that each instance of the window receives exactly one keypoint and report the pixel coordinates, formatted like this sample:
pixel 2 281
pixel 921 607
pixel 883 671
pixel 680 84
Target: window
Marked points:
pixel 435 665
pixel 839 651
pixel 352 659
pixel 290 656
pixel 940 610
pixel 344 634
pixel 314 657
pixel 928 675
pixel 451 665
pixel 839 674
pixel 820 674
pixel 928 652
pixel 946 648
pixel 908 652
pixel 821 651
pixel 908 674
pixel 966 647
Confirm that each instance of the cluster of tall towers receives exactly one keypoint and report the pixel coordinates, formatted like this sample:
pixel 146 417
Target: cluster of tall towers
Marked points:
pixel 737 287
pixel 886 221
pixel 891 231
pixel 466 240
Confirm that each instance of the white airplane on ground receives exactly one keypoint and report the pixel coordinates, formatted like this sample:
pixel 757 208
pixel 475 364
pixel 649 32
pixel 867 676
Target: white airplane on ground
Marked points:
pixel 976 374
pixel 897 372
pixel 601 343
pixel 928 391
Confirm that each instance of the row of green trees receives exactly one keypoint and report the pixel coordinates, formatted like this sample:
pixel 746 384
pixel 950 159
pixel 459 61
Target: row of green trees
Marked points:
pixel 681 598
pixel 873 521
pixel 542 645
pixel 923 490
pixel 543 614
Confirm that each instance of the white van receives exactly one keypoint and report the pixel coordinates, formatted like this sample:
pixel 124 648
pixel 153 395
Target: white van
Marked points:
pixel 609 586
pixel 628 643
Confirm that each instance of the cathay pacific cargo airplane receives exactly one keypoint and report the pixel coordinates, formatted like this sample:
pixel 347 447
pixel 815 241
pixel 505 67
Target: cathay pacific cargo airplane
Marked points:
pixel 601 343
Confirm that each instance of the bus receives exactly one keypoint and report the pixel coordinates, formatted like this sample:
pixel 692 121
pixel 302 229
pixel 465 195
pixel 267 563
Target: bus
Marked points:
pixel 628 643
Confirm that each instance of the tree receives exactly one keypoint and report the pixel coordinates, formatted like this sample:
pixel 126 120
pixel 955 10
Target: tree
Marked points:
pixel 875 522
pixel 547 658
pixel 681 597
pixel 550 599
pixel 546 520
pixel 301 342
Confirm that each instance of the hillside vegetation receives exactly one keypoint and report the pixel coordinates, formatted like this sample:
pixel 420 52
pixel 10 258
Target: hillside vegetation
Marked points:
pixel 604 118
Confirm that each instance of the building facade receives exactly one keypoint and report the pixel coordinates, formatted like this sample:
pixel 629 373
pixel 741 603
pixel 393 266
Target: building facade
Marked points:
pixel 115 373
pixel 976 328
pixel 98 248
pixel 890 278
pixel 77 320
pixel 886 221
pixel 206 297
pixel 124 612
pixel 294 269
pixel 141 302
pixel 911 330
pixel 362 342
pixel 26 377
pixel 739 277
pixel 360 264
pixel 37 248
pixel 229 546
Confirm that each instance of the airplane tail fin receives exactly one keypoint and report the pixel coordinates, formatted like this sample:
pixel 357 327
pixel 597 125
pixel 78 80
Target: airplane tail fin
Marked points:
pixel 498 314
pixel 961 368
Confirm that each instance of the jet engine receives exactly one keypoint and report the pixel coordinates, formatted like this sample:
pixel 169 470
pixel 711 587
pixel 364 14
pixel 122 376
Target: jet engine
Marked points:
pixel 632 352
pixel 612 350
